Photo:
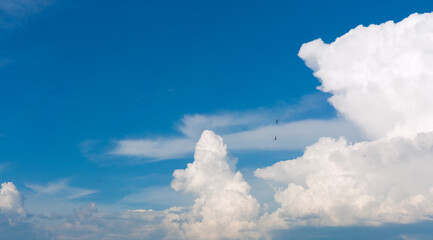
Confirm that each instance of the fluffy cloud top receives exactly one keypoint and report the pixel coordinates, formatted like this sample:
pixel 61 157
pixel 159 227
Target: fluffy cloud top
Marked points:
pixel 11 203
pixel 335 183
pixel 224 207
pixel 380 76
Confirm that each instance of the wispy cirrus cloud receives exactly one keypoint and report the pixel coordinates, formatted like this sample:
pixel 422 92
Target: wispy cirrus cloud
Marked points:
pixel 290 136
pixel 14 11
pixel 60 189
pixel 155 149
pixel 245 131
pixel 161 197
pixel 56 197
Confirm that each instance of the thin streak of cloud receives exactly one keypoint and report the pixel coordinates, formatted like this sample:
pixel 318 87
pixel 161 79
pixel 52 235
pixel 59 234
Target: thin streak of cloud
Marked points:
pixel 290 136
pixel 249 131
pixel 60 189
pixel 12 12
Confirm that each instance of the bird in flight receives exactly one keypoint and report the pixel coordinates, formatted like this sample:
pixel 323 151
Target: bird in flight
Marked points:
pixel 276 121
pixel 275 138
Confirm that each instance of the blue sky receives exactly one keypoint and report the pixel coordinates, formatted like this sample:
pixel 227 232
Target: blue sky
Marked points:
pixel 79 77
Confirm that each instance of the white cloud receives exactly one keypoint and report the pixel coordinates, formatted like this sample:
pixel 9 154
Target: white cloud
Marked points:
pixel 190 127
pixel 193 125
pixel 369 183
pixel 249 131
pixel 60 189
pixel 11 203
pixel 381 79
pixel 158 149
pixel 380 76
pixel 224 207
pixel 160 197
pixel 290 136
pixel 54 197
pixel 88 223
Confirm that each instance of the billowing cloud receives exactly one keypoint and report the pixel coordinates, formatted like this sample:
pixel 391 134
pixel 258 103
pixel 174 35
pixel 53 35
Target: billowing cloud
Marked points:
pixel 224 207
pixel 380 76
pixel 370 183
pixel 11 203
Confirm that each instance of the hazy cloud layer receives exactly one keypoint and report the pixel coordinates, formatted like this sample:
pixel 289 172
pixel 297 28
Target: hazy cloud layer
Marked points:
pixel 13 11
pixel 60 189
pixel 155 149
pixel 22 7
pixel 291 136
pixel 54 199
pixel 248 131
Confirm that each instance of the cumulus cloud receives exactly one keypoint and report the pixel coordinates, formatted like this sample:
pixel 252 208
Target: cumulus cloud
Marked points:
pixel 336 184
pixel 224 207
pixel 380 76
pixel 11 203
pixel 381 79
